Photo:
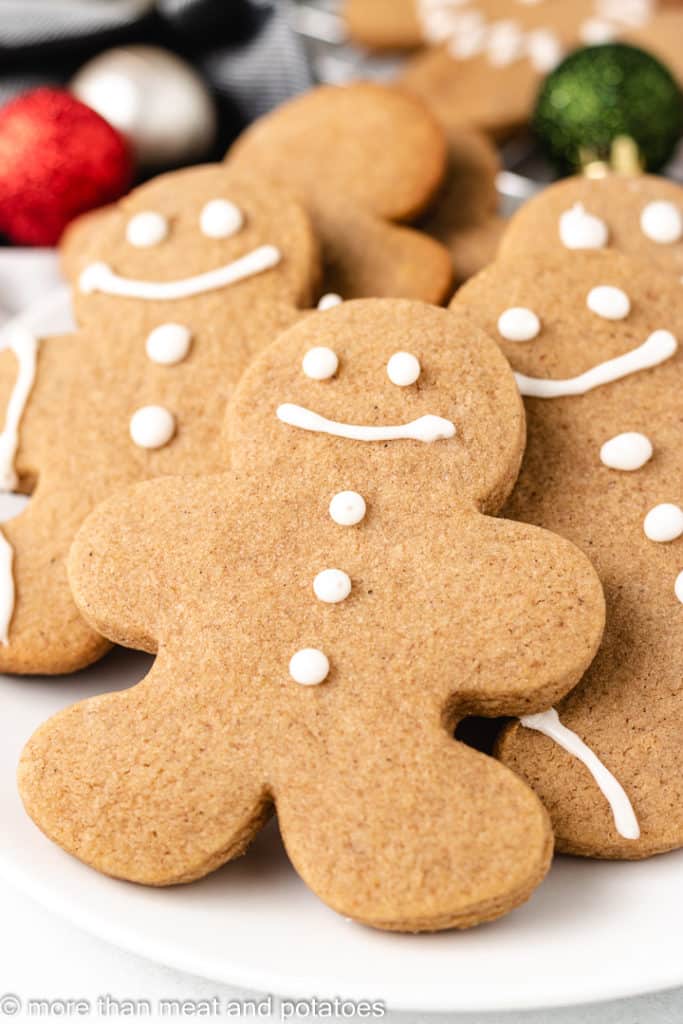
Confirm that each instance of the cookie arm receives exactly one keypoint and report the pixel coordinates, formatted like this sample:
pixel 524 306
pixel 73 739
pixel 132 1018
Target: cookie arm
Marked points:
pixel 527 620
pixel 133 555
pixel 364 256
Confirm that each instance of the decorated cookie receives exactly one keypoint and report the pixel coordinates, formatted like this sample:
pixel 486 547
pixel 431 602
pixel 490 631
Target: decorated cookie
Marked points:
pixel 595 343
pixel 487 58
pixel 190 277
pixel 640 215
pixel 464 215
pixel 322 616
pixel 360 157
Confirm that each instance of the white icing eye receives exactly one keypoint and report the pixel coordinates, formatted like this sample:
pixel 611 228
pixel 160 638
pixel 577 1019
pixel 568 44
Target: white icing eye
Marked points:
pixel 347 508
pixel 146 229
pixel 309 667
pixel 320 363
pixel 581 230
pixel 664 523
pixel 519 324
pixel 627 452
pixel 168 343
pixel 678 587
pixel 332 586
pixel 329 301
pixel 662 222
pixel 220 219
pixel 403 369
pixel 152 426
pixel 608 302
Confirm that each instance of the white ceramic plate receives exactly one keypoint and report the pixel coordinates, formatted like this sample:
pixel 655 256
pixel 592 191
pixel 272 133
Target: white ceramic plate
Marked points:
pixel 593 930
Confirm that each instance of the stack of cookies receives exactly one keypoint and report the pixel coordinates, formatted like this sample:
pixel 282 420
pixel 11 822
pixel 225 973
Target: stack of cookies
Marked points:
pixel 347 519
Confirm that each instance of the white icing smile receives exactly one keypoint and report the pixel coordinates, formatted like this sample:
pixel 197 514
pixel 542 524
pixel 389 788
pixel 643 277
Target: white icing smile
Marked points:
pixel 99 277
pixel 426 428
pixel 659 347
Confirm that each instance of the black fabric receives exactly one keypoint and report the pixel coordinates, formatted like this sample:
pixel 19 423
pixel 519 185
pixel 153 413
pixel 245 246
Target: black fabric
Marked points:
pixel 244 49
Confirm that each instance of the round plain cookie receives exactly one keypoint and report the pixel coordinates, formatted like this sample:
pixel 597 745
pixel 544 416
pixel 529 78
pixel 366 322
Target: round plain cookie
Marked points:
pixel 601 395
pixel 629 209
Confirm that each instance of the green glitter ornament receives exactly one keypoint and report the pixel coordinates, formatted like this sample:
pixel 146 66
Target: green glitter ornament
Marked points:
pixel 602 92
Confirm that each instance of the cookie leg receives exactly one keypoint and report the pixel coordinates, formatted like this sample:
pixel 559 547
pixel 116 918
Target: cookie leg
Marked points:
pixel 157 784
pixel 45 632
pixel 443 838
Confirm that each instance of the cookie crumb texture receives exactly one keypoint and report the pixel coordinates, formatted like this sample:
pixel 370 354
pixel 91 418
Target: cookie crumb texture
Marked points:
pixel 628 707
pixel 450 612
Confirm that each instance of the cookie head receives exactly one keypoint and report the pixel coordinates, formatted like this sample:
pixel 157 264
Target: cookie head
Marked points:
pixel 202 239
pixel 378 390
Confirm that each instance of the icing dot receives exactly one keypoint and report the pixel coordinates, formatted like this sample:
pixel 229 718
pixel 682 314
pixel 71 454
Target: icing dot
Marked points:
pixel 403 369
pixel 595 32
pixel 309 667
pixel 168 343
pixel 609 302
pixel 347 508
pixel 146 229
pixel 329 300
pixel 220 219
pixel 664 523
pixel 545 50
pixel 628 451
pixel 519 324
pixel 332 586
pixel 320 363
pixel 152 426
pixel 678 587
pixel 581 230
pixel 662 222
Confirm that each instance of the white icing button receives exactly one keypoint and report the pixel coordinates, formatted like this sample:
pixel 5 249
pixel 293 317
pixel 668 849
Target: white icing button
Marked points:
pixel 581 230
pixel 168 343
pixel 519 324
pixel 309 667
pixel 332 586
pixel 662 222
pixel 609 302
pixel 220 219
pixel 320 363
pixel 664 523
pixel 152 426
pixel 146 229
pixel 545 50
pixel 596 31
pixel 678 587
pixel 629 451
pixel 347 508
pixel 329 301
pixel 403 369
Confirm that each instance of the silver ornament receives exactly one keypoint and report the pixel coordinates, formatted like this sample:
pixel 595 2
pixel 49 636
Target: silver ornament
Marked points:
pixel 155 99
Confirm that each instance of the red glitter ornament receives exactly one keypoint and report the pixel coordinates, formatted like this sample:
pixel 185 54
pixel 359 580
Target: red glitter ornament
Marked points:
pixel 58 158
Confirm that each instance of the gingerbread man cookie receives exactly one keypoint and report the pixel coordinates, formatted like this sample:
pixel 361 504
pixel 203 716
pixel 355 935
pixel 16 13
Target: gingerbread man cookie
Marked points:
pixel 322 616
pixel 195 272
pixel 640 215
pixel 487 59
pixel 360 157
pixel 594 341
